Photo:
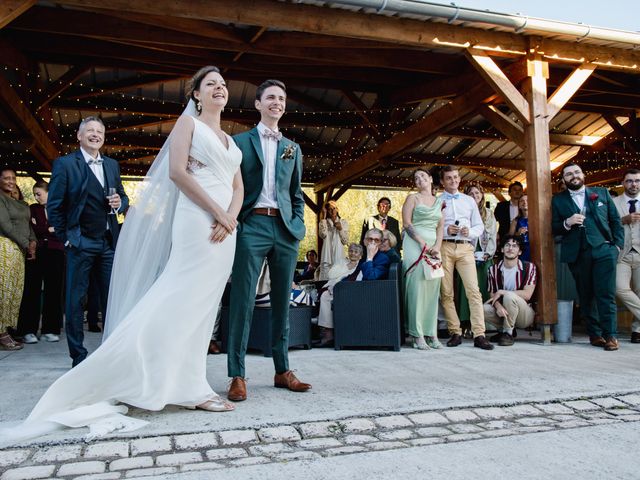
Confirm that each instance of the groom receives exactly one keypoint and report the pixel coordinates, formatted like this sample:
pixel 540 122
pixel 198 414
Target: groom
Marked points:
pixel 271 224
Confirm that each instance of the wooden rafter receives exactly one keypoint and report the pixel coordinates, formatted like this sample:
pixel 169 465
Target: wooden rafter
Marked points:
pixel 568 88
pixel 12 9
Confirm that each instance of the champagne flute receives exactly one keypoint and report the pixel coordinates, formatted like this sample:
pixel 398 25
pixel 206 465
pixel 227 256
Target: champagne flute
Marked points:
pixel 583 212
pixel 110 192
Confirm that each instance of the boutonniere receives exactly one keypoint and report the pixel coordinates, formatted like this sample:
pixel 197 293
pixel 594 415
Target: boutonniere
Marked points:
pixel 593 197
pixel 289 152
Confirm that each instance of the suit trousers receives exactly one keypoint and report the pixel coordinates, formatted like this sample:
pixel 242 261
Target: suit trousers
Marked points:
pixel 80 261
pixel 628 285
pixel 521 314
pixel 459 256
pixel 595 274
pixel 261 237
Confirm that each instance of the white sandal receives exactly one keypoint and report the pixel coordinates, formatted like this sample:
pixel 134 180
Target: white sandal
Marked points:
pixel 216 404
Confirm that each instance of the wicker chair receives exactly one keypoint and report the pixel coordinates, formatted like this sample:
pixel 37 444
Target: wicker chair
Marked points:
pixel 260 333
pixel 367 313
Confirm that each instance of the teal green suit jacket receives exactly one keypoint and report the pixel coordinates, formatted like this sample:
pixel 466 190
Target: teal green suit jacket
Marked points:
pixel 600 208
pixel 288 179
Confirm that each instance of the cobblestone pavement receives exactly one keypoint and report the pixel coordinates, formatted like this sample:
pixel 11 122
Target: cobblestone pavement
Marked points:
pixel 156 456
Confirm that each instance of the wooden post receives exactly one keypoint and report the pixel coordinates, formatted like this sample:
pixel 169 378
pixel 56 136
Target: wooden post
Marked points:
pixel 537 153
pixel 320 199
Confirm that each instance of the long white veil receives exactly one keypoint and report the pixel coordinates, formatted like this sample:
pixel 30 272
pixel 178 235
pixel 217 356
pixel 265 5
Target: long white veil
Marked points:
pixel 144 243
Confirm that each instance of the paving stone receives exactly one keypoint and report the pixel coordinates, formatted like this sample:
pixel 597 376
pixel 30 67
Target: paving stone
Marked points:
pixel 574 424
pixel 24 473
pixel 194 467
pixel 433 431
pixel 130 463
pixel 429 418
pixel 13 457
pixel 107 449
pixel 270 449
pixel 226 453
pixel 463 437
pixel 236 437
pixel 491 413
pixel 318 429
pixel 175 459
pixel 499 433
pixel 618 412
pixel 460 415
pixel 608 402
pixel 385 445
pixel 344 450
pixel 534 429
pixel 285 433
pixel 151 472
pixel 465 428
pixel 598 414
pixel 81 468
pixel 565 418
pixel 357 425
pixel 195 441
pixel 313 443
pixel 582 405
pixel 289 456
pixel 150 445
pixel 631 399
pixel 393 421
pixel 631 418
pixel 100 476
pixel 59 453
pixel 553 408
pixel 496 424
pixel 604 421
pixel 419 442
pixel 250 461
pixel 523 410
pixel 396 435
pixel 534 421
pixel 358 439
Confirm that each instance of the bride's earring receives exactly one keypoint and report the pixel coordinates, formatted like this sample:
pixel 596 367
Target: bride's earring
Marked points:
pixel 199 106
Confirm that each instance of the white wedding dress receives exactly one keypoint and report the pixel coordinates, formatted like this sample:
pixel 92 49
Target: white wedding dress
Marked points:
pixel 157 354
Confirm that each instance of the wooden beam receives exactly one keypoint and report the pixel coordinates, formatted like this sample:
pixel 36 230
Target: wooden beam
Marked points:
pixel 311 204
pixel 12 9
pixel 503 123
pixel 16 109
pixel 420 159
pixel 537 152
pixel 61 84
pixel 622 131
pixel 495 77
pixel 568 88
pixel 608 176
pixel 341 191
pixel 361 109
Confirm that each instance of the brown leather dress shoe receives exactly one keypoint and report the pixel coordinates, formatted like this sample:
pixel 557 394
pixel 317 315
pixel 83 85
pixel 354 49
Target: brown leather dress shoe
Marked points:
pixel 611 344
pixel 454 341
pixel 635 337
pixel 214 349
pixel 597 341
pixel 482 342
pixel 237 390
pixel 289 380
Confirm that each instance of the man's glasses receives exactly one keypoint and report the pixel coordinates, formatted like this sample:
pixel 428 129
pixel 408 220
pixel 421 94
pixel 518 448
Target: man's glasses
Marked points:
pixel 632 181
pixel 374 240
pixel 511 245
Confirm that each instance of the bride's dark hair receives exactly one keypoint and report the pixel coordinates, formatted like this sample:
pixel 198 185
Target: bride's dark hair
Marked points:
pixel 194 83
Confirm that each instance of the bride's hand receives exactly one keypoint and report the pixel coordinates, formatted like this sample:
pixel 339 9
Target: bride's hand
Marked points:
pixel 227 220
pixel 218 233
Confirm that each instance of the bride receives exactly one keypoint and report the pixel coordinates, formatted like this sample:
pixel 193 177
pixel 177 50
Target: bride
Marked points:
pixel 173 259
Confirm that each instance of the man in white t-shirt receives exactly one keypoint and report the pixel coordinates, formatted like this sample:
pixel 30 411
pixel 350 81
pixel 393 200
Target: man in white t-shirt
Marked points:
pixel 511 284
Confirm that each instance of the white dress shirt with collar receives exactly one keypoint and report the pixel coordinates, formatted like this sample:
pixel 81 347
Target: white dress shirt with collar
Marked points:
pixel 268 197
pixel 97 170
pixel 634 228
pixel 578 197
pixel 464 209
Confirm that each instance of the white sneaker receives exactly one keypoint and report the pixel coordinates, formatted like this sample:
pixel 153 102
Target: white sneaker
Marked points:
pixel 29 338
pixel 50 337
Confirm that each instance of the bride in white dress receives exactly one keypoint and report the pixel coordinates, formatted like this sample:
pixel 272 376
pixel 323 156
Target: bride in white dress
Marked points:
pixel 162 305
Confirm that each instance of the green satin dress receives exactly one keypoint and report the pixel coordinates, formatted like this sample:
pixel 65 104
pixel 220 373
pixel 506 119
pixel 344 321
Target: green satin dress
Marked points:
pixel 421 295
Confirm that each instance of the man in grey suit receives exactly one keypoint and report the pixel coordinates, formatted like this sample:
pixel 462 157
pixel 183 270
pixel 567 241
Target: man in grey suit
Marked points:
pixel 270 225
pixel 628 268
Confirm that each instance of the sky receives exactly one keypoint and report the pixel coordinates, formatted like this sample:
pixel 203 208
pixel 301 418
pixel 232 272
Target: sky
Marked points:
pixel 618 14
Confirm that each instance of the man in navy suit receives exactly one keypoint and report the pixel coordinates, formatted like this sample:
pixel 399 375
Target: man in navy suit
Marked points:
pixel 79 211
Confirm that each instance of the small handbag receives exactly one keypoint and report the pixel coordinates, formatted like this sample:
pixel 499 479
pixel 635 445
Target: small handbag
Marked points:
pixel 431 266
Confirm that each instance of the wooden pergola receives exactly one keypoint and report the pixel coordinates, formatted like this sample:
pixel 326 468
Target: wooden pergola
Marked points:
pixel 372 95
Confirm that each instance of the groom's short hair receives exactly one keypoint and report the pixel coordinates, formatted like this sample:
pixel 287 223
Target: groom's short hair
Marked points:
pixel 269 83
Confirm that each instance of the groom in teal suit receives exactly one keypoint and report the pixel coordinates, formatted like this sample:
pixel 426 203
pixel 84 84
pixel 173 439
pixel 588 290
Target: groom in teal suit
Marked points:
pixel 270 225
pixel 592 235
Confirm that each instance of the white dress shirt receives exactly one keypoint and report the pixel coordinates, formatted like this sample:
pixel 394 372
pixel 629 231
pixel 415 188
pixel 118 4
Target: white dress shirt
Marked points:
pixel 97 170
pixel 268 197
pixel 465 210
pixel 578 197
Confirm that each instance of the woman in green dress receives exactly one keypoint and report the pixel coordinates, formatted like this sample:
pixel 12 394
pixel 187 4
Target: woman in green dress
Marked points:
pixel 423 227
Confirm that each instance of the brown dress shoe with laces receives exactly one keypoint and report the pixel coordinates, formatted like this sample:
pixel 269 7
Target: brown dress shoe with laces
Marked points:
pixel 635 337
pixel 611 344
pixel 237 390
pixel 454 341
pixel 289 380
pixel 482 342
pixel 597 341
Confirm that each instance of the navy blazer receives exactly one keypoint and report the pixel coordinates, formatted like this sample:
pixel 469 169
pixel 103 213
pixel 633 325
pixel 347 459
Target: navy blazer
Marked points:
pixel 68 195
